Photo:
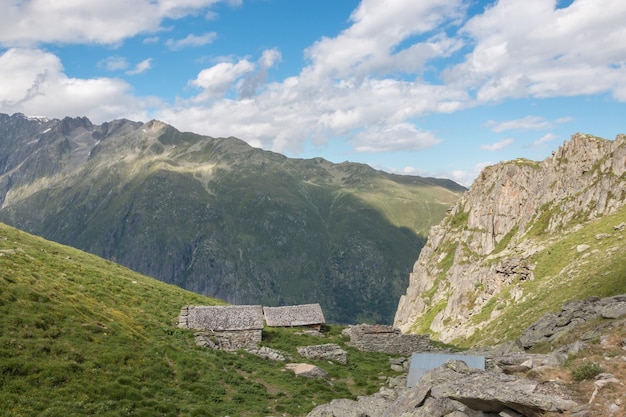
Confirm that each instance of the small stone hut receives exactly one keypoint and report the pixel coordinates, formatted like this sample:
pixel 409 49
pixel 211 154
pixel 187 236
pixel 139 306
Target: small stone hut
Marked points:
pixel 305 315
pixel 225 327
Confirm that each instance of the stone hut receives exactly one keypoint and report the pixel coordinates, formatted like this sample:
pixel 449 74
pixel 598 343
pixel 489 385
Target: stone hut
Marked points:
pixel 305 315
pixel 224 327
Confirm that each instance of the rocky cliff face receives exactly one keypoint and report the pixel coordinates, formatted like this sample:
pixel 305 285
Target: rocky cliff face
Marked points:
pixel 483 258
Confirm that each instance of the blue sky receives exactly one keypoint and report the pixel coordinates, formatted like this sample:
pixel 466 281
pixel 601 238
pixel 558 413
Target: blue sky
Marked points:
pixel 431 87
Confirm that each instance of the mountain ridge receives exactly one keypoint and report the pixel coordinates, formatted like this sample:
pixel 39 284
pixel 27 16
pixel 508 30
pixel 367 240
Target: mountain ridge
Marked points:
pixel 219 217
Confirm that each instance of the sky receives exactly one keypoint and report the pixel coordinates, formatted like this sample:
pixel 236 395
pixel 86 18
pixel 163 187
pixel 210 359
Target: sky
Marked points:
pixel 437 88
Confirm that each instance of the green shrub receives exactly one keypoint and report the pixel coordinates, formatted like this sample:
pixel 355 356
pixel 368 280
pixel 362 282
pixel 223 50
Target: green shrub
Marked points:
pixel 588 370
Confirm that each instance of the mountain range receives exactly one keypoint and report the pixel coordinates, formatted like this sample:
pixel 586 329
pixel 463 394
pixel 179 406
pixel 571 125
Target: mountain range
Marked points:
pixel 219 217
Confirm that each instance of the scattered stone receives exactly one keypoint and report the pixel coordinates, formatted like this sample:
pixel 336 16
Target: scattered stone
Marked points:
pixel 396 368
pixel 582 248
pixel 313 333
pixel 602 380
pixel 580 411
pixel 306 370
pixel 269 353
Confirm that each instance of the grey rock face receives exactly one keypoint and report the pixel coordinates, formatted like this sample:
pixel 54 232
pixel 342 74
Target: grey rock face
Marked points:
pixel 552 326
pixel 481 248
pixel 453 390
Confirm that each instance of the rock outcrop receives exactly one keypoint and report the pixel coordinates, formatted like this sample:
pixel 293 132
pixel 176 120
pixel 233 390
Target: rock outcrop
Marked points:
pixel 554 325
pixel 478 259
pixel 454 390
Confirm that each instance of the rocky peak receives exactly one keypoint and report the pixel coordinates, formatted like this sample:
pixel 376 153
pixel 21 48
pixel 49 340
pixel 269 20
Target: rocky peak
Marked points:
pixel 483 248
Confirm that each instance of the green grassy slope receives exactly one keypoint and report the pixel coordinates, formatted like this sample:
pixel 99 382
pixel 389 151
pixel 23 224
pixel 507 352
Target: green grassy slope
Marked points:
pixel 82 336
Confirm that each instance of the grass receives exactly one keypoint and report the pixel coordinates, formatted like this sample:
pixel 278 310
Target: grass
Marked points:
pixel 84 336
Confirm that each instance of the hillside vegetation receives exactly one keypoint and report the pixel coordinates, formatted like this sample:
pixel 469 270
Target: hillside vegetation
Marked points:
pixel 82 336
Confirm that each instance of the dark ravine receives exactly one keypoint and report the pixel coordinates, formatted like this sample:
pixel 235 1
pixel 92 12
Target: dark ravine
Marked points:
pixel 218 217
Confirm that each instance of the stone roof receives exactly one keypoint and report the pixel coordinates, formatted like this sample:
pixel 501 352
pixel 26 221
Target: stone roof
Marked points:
pixel 221 318
pixel 298 315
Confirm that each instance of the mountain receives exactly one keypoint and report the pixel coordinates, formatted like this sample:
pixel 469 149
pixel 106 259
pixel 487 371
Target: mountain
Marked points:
pixel 83 336
pixel 218 217
pixel 527 237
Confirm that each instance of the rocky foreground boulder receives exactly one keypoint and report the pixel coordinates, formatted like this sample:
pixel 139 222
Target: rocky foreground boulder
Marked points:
pixel 454 390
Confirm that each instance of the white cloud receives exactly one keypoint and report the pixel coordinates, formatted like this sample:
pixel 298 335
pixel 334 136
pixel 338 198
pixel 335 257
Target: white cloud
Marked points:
pixel 401 136
pixel 113 63
pixel 544 139
pixel 531 49
pixel 368 47
pixel 525 123
pixel 39 86
pixel 218 79
pixel 191 40
pixel 497 145
pixel 28 23
pixel 142 66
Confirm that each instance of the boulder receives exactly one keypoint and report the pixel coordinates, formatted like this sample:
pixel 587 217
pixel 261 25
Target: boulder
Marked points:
pixel 493 392
pixel 306 370
pixel 454 390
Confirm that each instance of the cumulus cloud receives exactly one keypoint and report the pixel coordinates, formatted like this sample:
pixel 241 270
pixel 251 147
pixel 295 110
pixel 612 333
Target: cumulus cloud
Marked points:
pixel 216 81
pixel 532 49
pixel 370 45
pixel 104 22
pixel 142 66
pixel 497 145
pixel 254 81
pixel 113 63
pixel 401 136
pixel 39 86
